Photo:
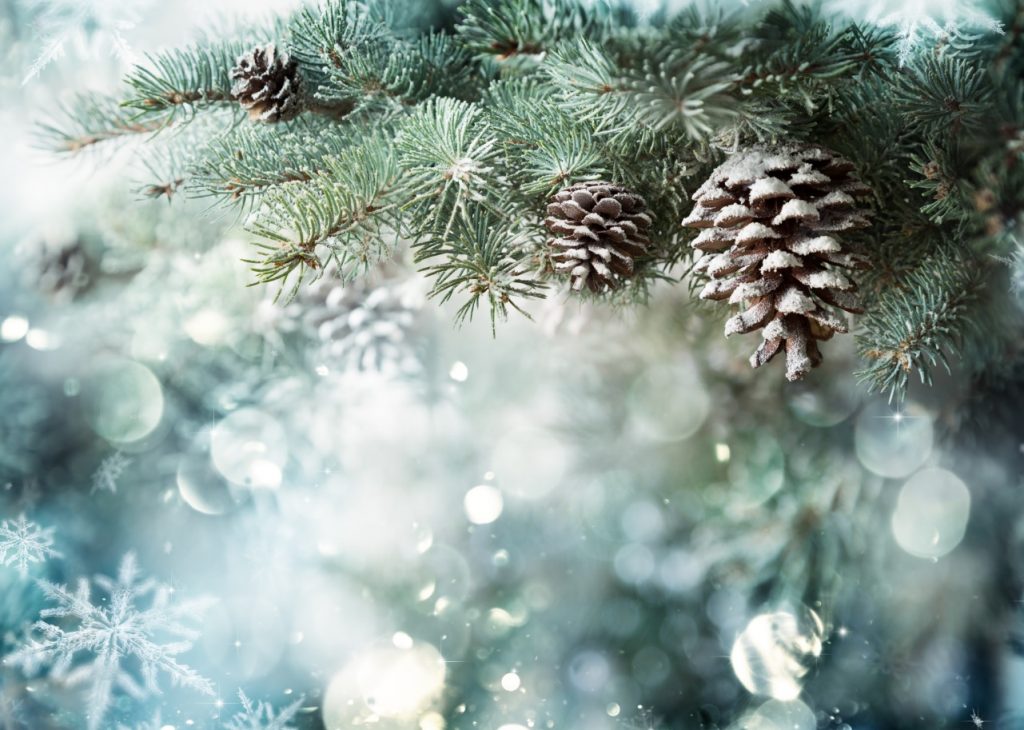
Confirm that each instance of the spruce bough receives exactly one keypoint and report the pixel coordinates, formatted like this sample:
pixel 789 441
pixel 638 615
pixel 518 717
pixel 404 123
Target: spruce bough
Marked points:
pixel 454 140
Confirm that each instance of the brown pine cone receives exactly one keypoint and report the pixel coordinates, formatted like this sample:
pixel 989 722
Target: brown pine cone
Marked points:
pixel 600 230
pixel 771 219
pixel 267 84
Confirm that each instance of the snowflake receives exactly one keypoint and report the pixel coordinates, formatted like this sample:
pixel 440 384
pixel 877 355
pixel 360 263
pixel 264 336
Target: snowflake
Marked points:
pixel 976 719
pixel 85 24
pixel 261 716
pixel 114 630
pixel 109 471
pixel 23 542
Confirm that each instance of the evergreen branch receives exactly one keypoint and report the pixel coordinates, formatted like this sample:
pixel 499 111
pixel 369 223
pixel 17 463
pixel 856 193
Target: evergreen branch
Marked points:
pixel 255 158
pixel 526 27
pixel 180 82
pixel 323 40
pixel 389 76
pixel 947 193
pixel 691 94
pixel 449 157
pixel 480 257
pixel 943 95
pixel 920 324
pixel 90 121
pixel 346 208
pixel 543 152
pixel 802 55
pixel 694 97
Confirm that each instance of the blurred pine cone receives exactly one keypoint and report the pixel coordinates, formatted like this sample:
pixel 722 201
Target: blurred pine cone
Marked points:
pixel 771 218
pixel 61 270
pixel 600 230
pixel 267 84
pixel 356 327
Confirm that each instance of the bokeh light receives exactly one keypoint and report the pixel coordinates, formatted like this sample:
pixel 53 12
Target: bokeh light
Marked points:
pixel 931 513
pixel 775 651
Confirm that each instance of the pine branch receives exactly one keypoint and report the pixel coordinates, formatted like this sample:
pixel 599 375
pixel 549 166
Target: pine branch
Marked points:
pixel 943 95
pixel 543 152
pixel 255 158
pixel 482 258
pixel 91 121
pixel 531 27
pixel 324 40
pixel 174 85
pixel 920 324
pixel 449 157
pixel 348 209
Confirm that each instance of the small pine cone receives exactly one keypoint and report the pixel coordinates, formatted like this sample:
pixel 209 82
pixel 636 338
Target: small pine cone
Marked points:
pixel 600 230
pixel 770 220
pixel 351 327
pixel 267 84
pixel 61 270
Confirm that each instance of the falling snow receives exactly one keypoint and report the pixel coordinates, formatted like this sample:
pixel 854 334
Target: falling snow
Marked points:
pixel 23 542
pixel 262 716
pixel 105 477
pixel 114 630
pixel 89 27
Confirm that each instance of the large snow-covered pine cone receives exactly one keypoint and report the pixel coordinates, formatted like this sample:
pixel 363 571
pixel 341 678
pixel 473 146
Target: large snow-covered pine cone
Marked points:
pixel 772 218
pixel 267 83
pixel 599 231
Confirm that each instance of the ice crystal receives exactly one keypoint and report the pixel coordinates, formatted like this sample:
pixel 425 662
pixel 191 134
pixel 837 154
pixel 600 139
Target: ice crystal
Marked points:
pixel 262 716
pixel 105 477
pixel 86 25
pixel 125 626
pixel 23 542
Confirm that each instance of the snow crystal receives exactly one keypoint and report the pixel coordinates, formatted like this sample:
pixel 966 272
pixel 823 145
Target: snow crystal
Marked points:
pixel 89 26
pixel 114 630
pixel 109 471
pixel 23 542
pixel 262 716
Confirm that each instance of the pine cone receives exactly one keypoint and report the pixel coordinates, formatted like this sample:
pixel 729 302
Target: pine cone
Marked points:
pixel 353 327
pixel 601 230
pixel 267 84
pixel 61 270
pixel 770 218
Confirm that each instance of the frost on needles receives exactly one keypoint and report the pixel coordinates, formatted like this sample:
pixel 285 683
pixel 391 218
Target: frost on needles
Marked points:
pixel 351 132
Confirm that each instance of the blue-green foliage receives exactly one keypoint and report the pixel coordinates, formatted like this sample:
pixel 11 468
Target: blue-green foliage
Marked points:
pixel 450 140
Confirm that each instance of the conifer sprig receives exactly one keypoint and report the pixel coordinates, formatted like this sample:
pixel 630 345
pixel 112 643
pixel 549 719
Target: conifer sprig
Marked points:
pixel 451 140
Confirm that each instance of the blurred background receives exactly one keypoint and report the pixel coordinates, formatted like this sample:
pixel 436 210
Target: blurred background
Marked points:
pixel 344 512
